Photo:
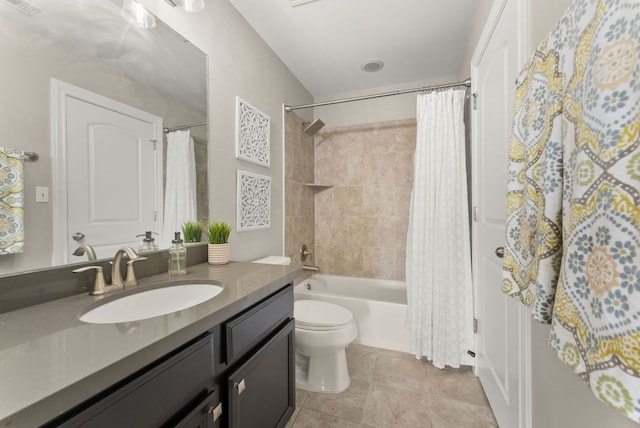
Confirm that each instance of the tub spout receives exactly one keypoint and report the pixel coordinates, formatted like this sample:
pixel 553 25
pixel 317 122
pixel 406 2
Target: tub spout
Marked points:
pixel 311 268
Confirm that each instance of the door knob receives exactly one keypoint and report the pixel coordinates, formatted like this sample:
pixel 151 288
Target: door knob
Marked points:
pixel 78 236
pixel 499 252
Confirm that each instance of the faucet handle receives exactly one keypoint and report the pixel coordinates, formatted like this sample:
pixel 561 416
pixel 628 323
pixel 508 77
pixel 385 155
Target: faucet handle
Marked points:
pixel 99 283
pixel 130 277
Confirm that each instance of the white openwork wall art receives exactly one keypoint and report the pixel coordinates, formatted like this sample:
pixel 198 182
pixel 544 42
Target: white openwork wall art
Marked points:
pixel 254 201
pixel 253 130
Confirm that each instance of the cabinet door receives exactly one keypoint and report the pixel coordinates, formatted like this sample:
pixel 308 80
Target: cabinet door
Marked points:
pixel 262 390
pixel 158 396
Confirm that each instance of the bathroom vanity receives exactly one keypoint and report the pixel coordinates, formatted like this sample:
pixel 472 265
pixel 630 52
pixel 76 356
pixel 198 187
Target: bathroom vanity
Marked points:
pixel 227 362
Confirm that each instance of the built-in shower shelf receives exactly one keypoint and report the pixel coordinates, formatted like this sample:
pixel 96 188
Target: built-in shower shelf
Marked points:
pixel 319 186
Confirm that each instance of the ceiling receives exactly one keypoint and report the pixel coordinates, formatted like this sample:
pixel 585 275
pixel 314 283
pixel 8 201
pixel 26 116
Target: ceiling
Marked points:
pixel 324 42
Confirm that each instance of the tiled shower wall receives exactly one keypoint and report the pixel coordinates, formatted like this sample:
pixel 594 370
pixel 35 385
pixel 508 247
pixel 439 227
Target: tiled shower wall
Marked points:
pixel 299 201
pixel 361 222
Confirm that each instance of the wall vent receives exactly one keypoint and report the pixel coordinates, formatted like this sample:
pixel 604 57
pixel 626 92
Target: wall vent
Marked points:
pixel 24 6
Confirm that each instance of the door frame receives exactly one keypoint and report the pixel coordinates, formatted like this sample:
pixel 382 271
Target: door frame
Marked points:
pixel 60 91
pixel 524 315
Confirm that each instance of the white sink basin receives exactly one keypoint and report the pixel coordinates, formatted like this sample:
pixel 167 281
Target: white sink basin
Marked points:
pixel 152 303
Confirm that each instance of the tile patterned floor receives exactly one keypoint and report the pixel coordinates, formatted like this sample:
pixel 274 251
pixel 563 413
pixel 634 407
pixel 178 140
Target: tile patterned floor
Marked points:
pixel 393 389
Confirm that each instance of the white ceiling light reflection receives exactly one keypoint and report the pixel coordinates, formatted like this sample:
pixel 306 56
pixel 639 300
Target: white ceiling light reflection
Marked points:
pixel 135 13
pixel 193 6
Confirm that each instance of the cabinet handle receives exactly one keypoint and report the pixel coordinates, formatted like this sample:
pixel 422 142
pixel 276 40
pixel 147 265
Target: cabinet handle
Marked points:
pixel 240 386
pixel 499 252
pixel 215 412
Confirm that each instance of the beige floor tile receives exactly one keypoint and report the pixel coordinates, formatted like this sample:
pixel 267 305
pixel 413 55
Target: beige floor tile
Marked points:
pixel 458 384
pixel 361 362
pixel 448 413
pixel 396 354
pixel 393 389
pixel 346 405
pixel 301 397
pixel 310 419
pixel 401 373
pixel 389 406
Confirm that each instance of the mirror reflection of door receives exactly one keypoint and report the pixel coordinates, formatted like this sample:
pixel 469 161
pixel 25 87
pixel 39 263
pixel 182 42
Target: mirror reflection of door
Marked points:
pixel 113 174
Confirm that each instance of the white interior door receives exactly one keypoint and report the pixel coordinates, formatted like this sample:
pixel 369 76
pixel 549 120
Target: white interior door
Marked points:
pixel 109 186
pixel 111 178
pixel 501 344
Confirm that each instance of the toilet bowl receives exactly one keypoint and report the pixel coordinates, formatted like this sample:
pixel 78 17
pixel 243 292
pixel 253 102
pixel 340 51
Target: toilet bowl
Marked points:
pixel 323 331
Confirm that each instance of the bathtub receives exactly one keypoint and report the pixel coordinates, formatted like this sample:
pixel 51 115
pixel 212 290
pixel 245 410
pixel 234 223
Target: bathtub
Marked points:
pixel 379 306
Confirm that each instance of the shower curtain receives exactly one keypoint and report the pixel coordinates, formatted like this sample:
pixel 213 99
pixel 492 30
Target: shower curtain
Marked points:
pixel 180 187
pixel 438 262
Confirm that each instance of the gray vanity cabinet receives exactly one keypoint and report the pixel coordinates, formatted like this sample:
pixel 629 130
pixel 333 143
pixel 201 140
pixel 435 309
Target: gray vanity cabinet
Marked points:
pixel 239 374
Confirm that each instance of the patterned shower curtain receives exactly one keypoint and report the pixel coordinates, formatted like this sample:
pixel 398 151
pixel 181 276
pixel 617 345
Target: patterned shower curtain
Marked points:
pixel 438 261
pixel 572 248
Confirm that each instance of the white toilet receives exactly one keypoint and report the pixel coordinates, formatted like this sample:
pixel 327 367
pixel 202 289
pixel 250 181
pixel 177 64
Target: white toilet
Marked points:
pixel 323 331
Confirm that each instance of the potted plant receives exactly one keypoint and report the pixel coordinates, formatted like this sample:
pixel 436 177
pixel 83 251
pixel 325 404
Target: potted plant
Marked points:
pixel 192 231
pixel 219 242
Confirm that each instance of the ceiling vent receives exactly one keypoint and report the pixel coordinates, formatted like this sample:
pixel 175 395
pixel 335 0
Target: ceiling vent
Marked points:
pixel 372 65
pixel 24 6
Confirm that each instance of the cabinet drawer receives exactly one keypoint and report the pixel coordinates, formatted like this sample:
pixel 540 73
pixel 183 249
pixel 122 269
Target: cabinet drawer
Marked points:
pixel 206 414
pixel 157 396
pixel 248 329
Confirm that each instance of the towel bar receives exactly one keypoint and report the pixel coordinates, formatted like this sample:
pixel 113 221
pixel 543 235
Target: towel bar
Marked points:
pixel 31 156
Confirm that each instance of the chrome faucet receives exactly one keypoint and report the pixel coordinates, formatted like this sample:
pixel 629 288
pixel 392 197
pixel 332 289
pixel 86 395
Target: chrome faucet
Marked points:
pixel 130 278
pixel 85 249
pixel 100 286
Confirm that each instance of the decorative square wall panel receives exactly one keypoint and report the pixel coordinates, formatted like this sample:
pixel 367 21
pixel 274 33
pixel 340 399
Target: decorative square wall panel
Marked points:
pixel 254 201
pixel 253 130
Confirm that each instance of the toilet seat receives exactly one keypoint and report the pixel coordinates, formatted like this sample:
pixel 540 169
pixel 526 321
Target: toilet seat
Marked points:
pixel 320 316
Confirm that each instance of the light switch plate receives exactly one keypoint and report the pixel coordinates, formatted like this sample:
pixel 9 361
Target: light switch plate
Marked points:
pixel 42 194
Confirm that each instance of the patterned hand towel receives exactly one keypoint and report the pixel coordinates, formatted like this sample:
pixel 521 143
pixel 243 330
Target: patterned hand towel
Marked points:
pixel 11 201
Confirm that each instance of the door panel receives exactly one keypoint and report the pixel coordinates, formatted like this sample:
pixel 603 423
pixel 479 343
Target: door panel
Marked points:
pixel 499 348
pixel 112 181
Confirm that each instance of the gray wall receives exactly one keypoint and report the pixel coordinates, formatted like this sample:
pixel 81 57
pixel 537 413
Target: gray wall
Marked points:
pixel 240 64
pixel 376 110
pixel 559 398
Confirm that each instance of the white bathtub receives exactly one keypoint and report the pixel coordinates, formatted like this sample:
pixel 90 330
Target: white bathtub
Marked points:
pixel 379 306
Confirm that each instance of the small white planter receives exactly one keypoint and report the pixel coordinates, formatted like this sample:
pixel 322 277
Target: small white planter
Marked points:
pixel 218 254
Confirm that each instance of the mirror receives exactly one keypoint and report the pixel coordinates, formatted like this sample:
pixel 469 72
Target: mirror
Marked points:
pixel 94 45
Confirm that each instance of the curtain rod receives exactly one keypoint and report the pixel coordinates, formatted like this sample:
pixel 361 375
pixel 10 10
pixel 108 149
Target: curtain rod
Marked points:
pixel 181 127
pixel 466 83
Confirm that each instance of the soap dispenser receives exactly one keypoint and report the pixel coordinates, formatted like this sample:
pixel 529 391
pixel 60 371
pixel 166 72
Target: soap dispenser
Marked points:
pixel 177 257
pixel 148 243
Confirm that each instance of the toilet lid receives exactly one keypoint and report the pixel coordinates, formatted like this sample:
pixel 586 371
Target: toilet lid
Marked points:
pixel 314 314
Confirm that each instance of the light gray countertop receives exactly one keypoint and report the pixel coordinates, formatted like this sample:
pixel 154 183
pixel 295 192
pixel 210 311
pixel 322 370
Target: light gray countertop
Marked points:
pixel 50 360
